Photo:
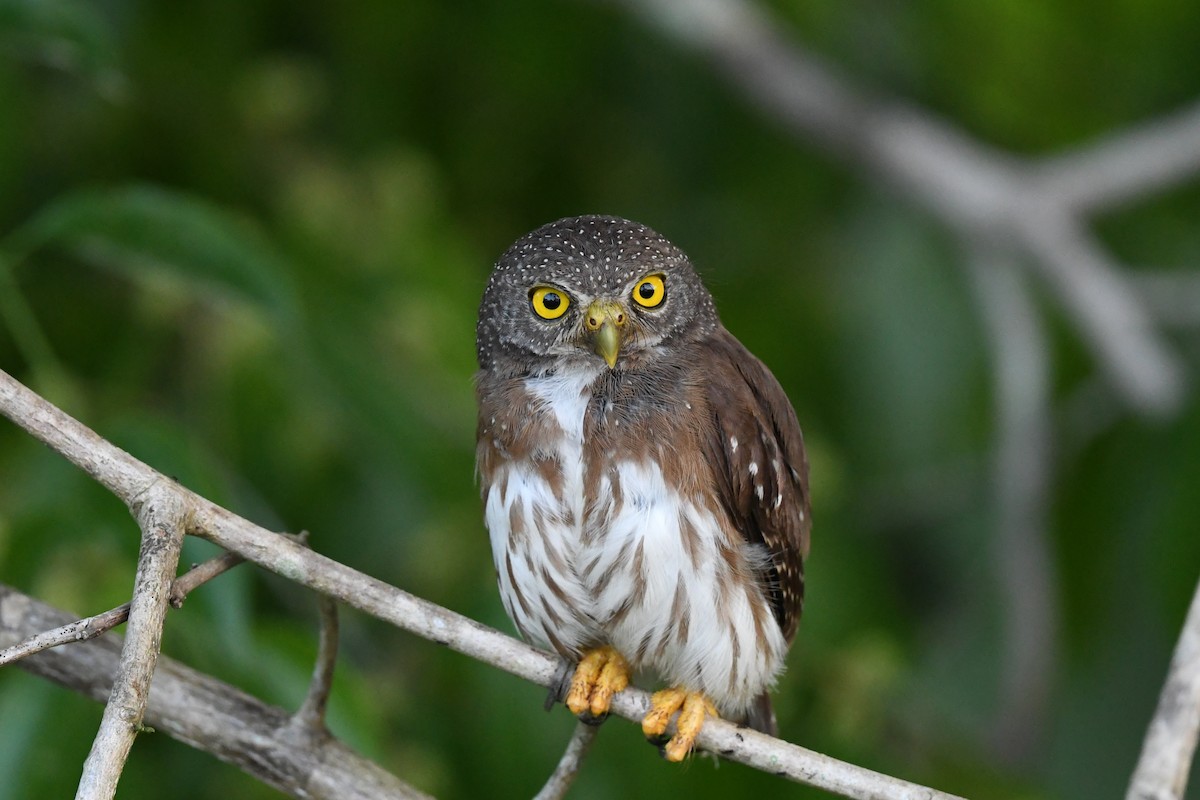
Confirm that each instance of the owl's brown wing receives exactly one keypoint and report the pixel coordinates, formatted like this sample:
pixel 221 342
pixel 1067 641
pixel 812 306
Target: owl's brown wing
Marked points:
pixel 757 453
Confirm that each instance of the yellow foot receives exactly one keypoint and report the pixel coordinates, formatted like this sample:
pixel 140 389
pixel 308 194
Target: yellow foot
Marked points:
pixel 693 707
pixel 601 674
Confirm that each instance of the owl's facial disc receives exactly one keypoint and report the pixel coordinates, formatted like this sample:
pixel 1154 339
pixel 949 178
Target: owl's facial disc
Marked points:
pixel 605 323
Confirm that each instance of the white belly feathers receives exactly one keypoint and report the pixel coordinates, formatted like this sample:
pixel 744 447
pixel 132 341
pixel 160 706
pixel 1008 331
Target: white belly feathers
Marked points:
pixel 651 573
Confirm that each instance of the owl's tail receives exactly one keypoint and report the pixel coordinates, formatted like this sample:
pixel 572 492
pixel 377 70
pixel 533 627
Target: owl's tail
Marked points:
pixel 761 716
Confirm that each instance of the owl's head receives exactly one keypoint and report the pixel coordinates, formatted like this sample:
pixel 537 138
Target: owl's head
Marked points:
pixel 593 289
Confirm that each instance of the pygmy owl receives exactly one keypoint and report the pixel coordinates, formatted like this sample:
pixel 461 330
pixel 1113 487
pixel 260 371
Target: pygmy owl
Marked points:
pixel 644 479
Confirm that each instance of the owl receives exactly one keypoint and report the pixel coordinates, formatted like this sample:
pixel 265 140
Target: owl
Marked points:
pixel 644 481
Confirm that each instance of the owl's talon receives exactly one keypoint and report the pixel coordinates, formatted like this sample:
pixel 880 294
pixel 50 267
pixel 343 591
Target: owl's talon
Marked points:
pixel 601 674
pixel 659 741
pixel 663 704
pixel 560 685
pixel 588 718
pixel 693 708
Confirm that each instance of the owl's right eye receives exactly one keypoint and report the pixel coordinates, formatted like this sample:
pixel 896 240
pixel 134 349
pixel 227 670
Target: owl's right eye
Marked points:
pixel 548 302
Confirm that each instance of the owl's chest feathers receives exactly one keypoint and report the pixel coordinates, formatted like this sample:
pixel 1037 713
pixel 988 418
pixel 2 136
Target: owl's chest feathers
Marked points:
pixel 603 531
pixel 606 445
pixel 567 460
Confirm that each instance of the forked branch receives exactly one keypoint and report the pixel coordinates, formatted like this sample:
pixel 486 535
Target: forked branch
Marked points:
pixel 129 478
pixel 161 514
pixel 207 714
pixel 1035 209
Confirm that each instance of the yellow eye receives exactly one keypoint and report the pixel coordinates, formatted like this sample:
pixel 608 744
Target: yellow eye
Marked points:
pixel 650 291
pixel 548 302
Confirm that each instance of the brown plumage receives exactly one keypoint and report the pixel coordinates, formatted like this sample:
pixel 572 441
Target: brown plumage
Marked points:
pixel 769 504
pixel 644 475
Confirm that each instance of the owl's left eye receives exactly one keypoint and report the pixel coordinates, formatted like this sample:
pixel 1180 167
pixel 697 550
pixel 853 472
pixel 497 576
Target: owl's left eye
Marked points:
pixel 650 291
pixel 548 302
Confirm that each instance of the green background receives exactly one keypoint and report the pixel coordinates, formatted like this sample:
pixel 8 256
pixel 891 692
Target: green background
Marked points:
pixel 246 242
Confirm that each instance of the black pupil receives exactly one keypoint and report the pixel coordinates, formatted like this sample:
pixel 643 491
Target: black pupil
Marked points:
pixel 646 290
pixel 551 301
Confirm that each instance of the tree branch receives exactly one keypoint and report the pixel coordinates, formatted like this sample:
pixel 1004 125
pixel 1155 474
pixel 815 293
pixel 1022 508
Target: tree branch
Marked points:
pixel 201 574
pixel 1128 165
pixel 207 714
pixel 1170 744
pixel 1030 208
pixel 81 630
pixel 87 628
pixel 121 472
pixel 311 713
pixel 162 518
pixel 568 766
pixel 1021 475
pixel 1110 315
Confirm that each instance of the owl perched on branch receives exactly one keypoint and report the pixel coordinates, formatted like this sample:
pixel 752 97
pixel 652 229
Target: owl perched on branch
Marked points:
pixel 644 478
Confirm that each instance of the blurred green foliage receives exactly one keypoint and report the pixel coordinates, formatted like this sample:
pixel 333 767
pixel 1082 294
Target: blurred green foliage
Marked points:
pixel 246 242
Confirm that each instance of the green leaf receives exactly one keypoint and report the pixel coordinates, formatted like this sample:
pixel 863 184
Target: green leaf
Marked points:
pixel 143 230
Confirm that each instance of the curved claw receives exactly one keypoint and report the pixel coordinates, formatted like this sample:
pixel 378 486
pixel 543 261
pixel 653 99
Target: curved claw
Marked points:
pixel 601 674
pixel 693 708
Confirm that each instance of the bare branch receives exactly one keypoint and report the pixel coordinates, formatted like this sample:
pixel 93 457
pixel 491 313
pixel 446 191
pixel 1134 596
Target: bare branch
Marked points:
pixel 81 630
pixel 117 470
pixel 464 635
pixel 1021 476
pixel 1162 768
pixel 162 518
pixel 201 574
pixel 311 713
pixel 559 782
pixel 1108 311
pixel 1128 165
pixel 1027 207
pixel 789 84
pixel 207 714
pixel 87 628
pixel 125 476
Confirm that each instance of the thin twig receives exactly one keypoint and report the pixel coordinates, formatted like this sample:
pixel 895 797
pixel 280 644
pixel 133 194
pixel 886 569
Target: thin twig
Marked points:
pixel 162 517
pixel 1170 744
pixel 119 472
pixel 568 767
pixel 199 575
pixel 205 713
pixel 1107 309
pixel 82 630
pixel 311 713
pixel 1130 164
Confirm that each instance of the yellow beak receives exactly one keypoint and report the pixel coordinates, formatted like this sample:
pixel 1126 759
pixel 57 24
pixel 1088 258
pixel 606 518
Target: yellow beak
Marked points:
pixel 604 322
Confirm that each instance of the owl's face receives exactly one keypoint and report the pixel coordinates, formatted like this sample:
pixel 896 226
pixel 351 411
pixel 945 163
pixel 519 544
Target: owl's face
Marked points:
pixel 589 290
